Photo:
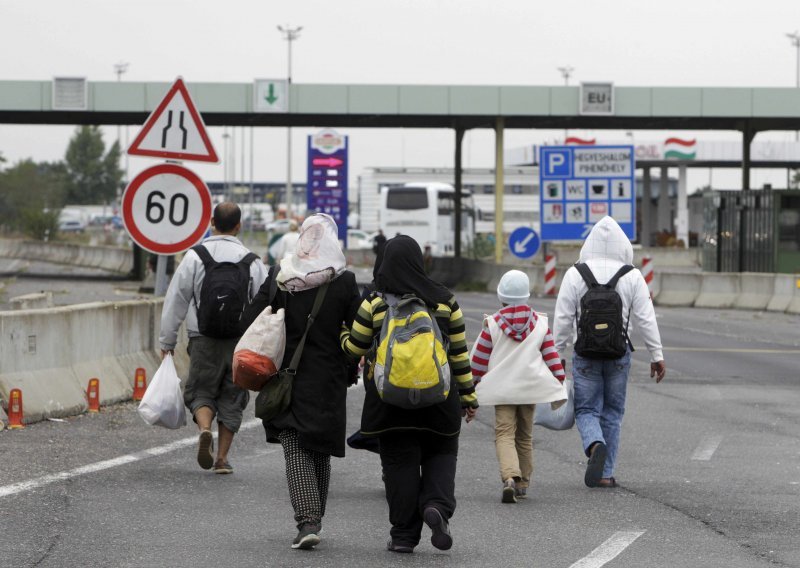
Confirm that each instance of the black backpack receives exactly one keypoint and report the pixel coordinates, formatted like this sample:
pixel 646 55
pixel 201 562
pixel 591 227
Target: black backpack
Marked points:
pixel 223 295
pixel 601 334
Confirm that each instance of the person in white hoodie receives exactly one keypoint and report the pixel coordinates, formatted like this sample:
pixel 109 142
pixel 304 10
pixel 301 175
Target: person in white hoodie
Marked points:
pixel 600 384
pixel 515 366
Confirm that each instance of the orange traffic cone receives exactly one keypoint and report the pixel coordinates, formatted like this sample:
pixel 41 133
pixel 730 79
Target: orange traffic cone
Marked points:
pixel 15 409
pixel 139 384
pixel 93 394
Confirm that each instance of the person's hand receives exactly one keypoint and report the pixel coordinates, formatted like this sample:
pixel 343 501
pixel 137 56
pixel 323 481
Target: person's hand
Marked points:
pixel 165 352
pixel 469 413
pixel 658 370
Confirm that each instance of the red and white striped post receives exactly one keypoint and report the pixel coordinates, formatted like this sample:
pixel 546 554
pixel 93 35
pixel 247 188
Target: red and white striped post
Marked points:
pixel 647 272
pixel 550 275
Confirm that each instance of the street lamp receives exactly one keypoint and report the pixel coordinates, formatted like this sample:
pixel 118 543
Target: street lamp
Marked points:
pixel 566 72
pixel 794 37
pixel 120 69
pixel 289 34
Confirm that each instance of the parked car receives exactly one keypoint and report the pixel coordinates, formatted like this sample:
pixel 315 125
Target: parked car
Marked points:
pixel 358 240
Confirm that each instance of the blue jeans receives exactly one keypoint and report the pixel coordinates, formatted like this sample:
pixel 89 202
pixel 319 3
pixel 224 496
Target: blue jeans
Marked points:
pixel 600 389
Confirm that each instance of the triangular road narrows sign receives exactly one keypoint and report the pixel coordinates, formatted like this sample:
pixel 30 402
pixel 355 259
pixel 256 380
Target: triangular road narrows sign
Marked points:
pixel 175 130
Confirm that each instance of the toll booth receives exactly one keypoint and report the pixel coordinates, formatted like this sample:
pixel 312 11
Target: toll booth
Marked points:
pixel 751 231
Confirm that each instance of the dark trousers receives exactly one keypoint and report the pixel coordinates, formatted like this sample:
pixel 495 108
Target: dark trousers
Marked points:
pixel 420 470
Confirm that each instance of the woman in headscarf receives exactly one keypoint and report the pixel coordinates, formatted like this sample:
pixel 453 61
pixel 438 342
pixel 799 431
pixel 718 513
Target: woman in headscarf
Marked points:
pixel 312 429
pixel 418 447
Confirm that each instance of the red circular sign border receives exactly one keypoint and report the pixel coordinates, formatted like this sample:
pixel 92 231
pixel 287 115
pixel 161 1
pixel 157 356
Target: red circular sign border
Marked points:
pixel 138 181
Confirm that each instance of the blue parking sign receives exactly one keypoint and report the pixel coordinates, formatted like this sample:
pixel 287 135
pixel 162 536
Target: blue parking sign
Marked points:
pixel 579 185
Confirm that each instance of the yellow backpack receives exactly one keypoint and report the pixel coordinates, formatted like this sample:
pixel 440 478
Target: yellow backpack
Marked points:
pixel 411 368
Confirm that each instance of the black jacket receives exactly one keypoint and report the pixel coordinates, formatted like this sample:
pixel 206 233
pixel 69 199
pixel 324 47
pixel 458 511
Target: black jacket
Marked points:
pixel 319 390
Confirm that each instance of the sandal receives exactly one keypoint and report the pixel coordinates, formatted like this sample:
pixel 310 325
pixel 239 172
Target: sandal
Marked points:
pixel 594 468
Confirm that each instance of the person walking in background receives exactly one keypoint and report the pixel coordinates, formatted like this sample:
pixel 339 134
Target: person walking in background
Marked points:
pixel 213 328
pixel 602 358
pixel 516 366
pixel 312 428
pixel 418 446
pixel 380 242
pixel 285 245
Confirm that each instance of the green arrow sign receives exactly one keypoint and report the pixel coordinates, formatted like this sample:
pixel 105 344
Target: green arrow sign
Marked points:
pixel 271 98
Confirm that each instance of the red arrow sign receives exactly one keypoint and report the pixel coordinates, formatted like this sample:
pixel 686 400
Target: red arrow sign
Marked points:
pixel 327 162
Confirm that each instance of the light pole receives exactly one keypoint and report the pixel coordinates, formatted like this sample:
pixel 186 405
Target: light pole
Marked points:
pixel 226 190
pixel 794 37
pixel 120 69
pixel 289 34
pixel 566 72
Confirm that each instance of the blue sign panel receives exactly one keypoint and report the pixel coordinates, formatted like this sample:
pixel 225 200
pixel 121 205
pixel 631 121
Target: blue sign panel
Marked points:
pixel 579 185
pixel 523 242
pixel 326 188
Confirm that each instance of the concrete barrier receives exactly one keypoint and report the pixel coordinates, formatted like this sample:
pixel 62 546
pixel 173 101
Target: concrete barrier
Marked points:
pixel 678 289
pixel 718 290
pixel 783 290
pixel 794 304
pixel 36 300
pixel 755 291
pixel 113 259
pixel 50 354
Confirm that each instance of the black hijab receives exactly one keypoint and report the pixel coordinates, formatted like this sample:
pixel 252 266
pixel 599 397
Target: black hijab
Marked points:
pixel 401 271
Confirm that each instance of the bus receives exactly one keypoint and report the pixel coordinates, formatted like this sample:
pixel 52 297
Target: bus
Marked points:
pixel 426 213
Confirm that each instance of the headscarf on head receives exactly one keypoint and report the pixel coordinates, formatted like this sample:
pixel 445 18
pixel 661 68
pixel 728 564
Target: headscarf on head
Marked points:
pixel 378 262
pixel 402 271
pixel 317 257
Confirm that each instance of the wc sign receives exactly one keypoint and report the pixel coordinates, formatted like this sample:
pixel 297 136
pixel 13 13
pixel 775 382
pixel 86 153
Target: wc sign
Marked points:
pixel 597 98
pixel 579 185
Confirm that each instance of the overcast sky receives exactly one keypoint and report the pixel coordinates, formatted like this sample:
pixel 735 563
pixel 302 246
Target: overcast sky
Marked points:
pixel 460 42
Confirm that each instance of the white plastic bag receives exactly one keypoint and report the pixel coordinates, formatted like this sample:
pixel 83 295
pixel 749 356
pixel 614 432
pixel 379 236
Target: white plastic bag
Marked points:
pixel 259 353
pixel 162 403
pixel 563 417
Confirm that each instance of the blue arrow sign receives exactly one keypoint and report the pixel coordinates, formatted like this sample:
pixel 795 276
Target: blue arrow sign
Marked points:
pixel 524 242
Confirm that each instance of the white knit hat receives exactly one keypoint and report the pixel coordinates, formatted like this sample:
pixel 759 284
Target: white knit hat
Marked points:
pixel 514 288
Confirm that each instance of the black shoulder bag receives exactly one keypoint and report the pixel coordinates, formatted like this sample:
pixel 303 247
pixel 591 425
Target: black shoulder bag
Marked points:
pixel 276 396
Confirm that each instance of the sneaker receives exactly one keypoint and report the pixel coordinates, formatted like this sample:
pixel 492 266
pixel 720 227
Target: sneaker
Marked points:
pixel 595 465
pixel 520 492
pixel 307 538
pixel 441 537
pixel 222 467
pixel 205 446
pixel 393 546
pixel 509 491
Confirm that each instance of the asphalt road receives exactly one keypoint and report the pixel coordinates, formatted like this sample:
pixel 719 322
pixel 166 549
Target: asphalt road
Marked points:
pixel 709 469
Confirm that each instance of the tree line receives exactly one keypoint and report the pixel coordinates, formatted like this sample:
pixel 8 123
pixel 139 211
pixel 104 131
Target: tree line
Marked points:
pixel 32 194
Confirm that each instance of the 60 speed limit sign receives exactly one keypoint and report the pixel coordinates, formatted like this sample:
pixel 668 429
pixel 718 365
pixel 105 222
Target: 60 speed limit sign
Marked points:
pixel 166 209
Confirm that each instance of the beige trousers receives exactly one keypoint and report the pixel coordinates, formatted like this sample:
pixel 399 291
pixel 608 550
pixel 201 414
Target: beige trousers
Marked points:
pixel 513 439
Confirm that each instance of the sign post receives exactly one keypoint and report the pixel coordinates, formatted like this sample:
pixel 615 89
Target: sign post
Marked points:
pixel 579 185
pixel 326 189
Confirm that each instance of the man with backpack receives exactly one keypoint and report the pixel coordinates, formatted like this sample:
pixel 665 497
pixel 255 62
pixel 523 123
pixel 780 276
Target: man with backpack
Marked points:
pixel 601 295
pixel 213 284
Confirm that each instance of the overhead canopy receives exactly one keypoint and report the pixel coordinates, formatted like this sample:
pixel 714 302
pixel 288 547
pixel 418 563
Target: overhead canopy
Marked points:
pixel 420 106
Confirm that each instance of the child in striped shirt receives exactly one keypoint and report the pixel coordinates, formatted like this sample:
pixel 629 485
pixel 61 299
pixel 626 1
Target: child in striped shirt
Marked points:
pixel 516 366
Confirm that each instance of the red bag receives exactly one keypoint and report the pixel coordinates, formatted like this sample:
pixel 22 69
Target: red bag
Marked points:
pixel 252 370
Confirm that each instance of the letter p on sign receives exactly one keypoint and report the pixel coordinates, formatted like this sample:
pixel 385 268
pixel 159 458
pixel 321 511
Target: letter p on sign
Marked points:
pixel 557 163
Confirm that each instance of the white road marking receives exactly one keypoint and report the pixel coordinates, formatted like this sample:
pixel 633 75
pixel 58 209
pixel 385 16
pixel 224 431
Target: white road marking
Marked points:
pixel 609 550
pixel 707 447
pixel 31 484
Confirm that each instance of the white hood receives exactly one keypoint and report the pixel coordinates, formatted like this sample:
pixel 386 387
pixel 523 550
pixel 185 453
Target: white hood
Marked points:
pixel 607 241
